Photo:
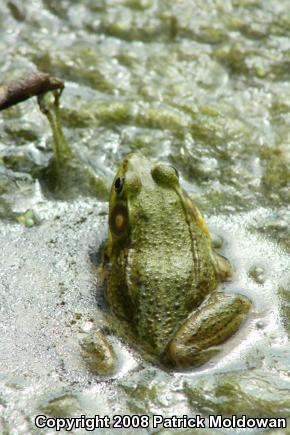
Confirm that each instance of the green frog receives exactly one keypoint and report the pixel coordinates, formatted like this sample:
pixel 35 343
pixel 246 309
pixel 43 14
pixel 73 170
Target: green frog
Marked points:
pixel 162 271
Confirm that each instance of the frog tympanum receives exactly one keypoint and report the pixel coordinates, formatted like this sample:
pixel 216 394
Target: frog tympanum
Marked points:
pixel 162 272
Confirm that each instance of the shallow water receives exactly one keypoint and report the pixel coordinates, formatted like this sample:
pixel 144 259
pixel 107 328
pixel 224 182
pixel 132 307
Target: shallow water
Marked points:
pixel 200 84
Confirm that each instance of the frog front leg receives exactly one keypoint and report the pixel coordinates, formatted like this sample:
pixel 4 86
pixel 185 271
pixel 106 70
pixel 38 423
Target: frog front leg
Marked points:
pixel 98 353
pixel 200 336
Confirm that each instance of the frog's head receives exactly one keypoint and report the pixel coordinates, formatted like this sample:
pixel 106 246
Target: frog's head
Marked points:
pixel 137 184
pixel 146 197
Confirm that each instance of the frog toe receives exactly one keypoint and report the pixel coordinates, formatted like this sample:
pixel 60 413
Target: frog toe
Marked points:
pixel 179 355
pixel 223 267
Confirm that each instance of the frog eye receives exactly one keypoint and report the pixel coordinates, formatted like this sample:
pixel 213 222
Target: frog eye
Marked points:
pixel 118 220
pixel 118 185
pixel 165 175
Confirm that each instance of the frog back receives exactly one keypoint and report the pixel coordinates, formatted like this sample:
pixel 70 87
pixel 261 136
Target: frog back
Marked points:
pixel 165 266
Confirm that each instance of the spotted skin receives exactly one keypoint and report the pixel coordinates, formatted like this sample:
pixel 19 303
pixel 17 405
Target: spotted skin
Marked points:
pixel 162 273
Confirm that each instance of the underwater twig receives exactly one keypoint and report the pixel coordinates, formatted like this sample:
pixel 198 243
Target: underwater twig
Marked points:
pixel 49 106
pixel 67 173
pixel 30 85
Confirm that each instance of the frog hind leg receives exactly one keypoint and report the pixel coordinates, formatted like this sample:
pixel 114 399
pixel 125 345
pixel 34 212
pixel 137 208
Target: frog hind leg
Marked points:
pixel 200 337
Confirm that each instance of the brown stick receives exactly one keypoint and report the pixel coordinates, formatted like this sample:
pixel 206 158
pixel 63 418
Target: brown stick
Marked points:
pixel 28 86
